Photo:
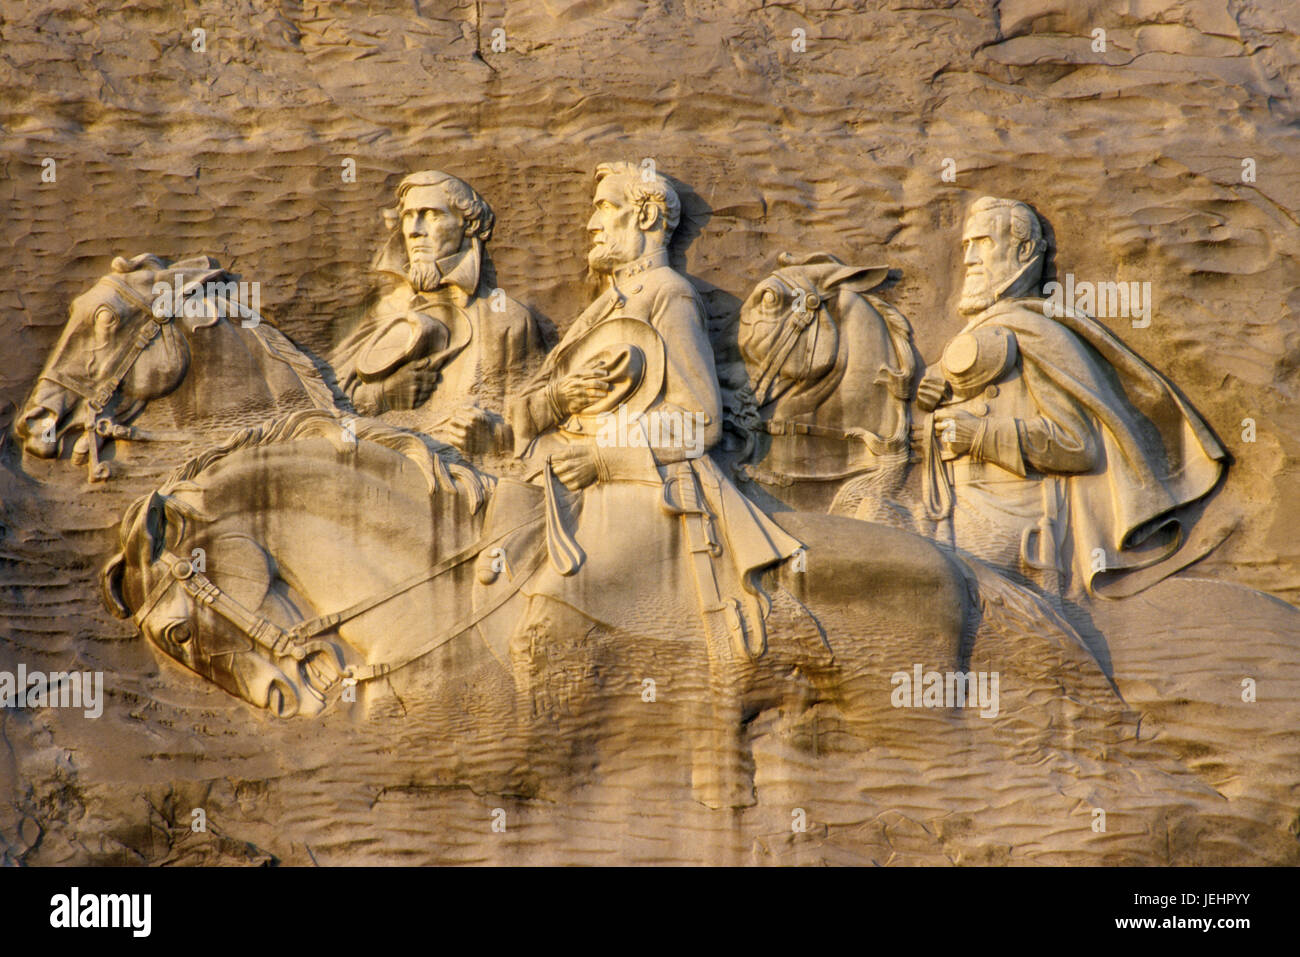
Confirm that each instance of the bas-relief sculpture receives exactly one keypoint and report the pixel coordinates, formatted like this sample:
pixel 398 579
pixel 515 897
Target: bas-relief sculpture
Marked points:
pixel 441 338
pixel 555 527
pixel 1065 455
pixel 133 352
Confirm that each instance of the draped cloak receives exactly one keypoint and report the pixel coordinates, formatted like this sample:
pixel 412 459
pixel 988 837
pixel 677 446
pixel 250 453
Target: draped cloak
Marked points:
pixel 1154 454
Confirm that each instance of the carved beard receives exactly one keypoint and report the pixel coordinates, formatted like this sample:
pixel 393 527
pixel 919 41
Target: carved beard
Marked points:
pixel 605 258
pixel 424 278
pixel 602 262
pixel 976 294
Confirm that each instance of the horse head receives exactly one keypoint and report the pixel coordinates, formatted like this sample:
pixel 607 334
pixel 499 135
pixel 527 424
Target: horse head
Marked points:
pixel 790 324
pixel 152 580
pixel 828 372
pixel 124 345
pixel 220 567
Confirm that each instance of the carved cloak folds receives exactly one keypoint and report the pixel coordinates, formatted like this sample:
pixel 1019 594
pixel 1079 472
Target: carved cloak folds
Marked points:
pixel 1154 452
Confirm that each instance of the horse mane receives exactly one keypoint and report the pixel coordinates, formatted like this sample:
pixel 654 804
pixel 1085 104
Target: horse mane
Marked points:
pixel 440 475
pixel 149 266
pixel 899 381
pixel 281 347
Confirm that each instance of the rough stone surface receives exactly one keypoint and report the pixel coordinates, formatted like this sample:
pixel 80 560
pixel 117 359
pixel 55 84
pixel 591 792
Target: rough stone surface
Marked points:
pixel 1133 157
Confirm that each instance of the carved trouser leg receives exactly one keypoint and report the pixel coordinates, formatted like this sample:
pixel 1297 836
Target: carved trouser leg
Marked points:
pixel 721 774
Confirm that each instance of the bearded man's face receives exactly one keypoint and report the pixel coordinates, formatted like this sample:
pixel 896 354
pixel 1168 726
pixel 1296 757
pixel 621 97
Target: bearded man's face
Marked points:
pixel 989 255
pixel 432 229
pixel 616 236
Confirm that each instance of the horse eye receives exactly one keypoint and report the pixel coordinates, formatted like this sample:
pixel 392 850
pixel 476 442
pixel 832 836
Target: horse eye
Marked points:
pixel 770 299
pixel 179 633
pixel 104 316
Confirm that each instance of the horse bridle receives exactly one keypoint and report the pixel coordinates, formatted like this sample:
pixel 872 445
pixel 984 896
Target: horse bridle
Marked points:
pixel 877 446
pixel 97 425
pixel 300 640
pixel 785 342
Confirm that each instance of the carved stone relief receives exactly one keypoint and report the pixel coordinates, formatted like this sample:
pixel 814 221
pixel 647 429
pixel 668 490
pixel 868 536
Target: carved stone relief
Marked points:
pixel 921 534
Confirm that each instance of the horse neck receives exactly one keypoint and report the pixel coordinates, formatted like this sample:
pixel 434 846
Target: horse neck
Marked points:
pixel 852 394
pixel 362 527
pixel 230 376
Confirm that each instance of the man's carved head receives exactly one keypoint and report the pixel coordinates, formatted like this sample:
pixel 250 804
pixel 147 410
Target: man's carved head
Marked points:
pixel 1003 249
pixel 438 215
pixel 636 211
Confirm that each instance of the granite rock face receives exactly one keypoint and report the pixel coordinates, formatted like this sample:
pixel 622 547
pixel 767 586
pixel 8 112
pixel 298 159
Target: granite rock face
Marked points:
pixel 1159 150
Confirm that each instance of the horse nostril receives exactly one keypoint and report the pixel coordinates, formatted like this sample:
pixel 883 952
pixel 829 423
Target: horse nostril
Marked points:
pixel 281 700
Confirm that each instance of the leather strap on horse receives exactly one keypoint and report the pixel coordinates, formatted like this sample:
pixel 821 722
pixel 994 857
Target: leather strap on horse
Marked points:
pixel 937 493
pixel 148 332
pixel 876 444
pixel 367 672
pixel 101 396
pixel 315 626
pixel 783 346
pixel 295 640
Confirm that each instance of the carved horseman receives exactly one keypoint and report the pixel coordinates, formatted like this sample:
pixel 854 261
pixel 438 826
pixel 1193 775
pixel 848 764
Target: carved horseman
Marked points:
pixel 1055 451
pixel 618 421
pixel 442 338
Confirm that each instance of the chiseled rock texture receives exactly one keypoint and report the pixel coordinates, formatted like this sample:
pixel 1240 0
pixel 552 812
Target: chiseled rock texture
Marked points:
pixel 1134 156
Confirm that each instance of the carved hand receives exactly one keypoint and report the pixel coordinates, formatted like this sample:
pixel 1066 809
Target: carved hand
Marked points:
pixel 931 390
pixel 956 431
pixel 410 386
pixel 575 466
pixel 474 430
pixel 577 390
pixel 917 444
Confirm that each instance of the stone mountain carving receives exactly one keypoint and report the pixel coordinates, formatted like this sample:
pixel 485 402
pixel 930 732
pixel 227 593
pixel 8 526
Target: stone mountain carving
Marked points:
pixel 324 564
pixel 441 335
pixel 830 370
pixel 1053 450
pixel 299 602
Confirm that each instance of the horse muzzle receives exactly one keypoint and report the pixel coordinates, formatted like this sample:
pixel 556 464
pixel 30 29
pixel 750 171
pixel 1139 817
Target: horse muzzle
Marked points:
pixel 260 682
pixel 44 419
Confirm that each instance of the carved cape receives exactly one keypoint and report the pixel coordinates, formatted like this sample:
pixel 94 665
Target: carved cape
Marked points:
pixel 1155 454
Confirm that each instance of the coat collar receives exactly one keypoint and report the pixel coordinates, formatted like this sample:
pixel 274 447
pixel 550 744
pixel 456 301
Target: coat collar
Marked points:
pixel 460 271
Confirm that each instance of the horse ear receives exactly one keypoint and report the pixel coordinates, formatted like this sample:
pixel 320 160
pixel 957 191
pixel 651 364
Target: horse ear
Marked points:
pixel 135 263
pixel 195 273
pixel 110 586
pixel 197 264
pixel 826 271
pixel 810 259
pixel 858 279
pixel 153 523
pixel 163 525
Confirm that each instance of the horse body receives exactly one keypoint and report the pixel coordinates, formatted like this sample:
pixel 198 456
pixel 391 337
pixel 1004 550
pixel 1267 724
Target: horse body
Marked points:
pixel 125 369
pixel 298 520
pixel 831 372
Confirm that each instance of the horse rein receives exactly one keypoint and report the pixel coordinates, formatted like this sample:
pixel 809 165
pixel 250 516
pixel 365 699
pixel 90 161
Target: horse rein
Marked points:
pixel 785 343
pixel 300 640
